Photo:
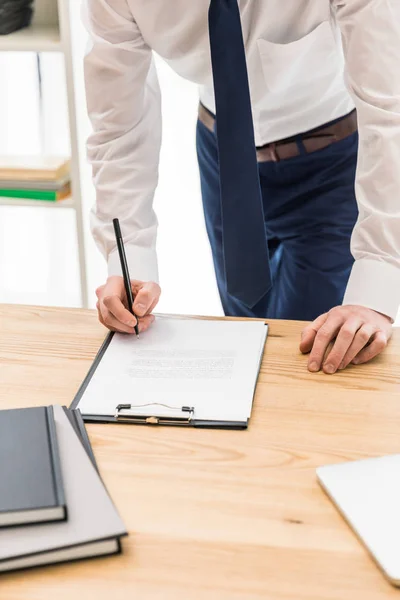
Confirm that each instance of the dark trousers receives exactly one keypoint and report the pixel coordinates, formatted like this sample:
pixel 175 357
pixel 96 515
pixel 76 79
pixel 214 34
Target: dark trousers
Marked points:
pixel 310 211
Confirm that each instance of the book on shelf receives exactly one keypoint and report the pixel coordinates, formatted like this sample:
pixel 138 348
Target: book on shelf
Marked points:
pixel 15 15
pixel 29 184
pixel 37 194
pixel 34 168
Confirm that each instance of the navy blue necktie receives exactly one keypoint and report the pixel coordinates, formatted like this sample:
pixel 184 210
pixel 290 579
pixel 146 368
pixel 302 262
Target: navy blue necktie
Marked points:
pixel 247 268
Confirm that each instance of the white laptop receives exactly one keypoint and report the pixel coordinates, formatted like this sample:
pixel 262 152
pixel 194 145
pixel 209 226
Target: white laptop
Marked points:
pixel 367 493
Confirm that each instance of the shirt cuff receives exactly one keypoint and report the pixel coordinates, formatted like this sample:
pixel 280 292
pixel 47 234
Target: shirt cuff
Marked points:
pixel 376 285
pixel 142 263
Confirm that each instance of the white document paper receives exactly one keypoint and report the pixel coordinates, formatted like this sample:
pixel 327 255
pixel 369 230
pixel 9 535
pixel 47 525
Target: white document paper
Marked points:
pixel 208 366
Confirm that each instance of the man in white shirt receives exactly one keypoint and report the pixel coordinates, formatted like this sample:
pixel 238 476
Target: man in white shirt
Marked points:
pixel 306 139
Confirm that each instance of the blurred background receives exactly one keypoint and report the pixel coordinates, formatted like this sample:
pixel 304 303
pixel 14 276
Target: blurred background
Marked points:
pixel 47 255
pixel 42 105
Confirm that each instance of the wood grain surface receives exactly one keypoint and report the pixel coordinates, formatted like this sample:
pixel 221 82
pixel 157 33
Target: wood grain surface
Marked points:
pixel 214 515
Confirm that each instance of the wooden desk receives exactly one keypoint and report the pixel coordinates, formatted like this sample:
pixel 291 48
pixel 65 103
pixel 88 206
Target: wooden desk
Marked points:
pixel 215 515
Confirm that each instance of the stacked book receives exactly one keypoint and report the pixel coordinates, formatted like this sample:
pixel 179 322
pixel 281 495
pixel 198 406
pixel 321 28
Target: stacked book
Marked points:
pixel 53 504
pixel 45 178
pixel 14 15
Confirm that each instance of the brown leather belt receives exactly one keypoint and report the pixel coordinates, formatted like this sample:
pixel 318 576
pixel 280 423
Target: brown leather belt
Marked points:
pixel 313 140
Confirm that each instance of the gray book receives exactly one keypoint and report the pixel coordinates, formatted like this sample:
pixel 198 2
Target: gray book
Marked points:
pixel 93 528
pixel 16 184
pixel 31 487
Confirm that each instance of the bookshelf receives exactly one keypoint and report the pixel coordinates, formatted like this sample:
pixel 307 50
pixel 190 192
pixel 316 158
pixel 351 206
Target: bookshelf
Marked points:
pixel 51 31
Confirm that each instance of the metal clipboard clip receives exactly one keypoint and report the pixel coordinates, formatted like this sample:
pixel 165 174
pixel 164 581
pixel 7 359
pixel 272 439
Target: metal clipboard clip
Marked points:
pixel 154 420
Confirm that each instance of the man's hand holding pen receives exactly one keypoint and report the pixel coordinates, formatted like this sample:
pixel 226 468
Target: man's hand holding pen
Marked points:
pixel 112 304
pixel 121 301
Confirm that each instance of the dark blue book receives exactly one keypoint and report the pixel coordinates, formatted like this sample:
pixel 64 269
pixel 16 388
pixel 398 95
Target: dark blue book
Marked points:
pixel 31 486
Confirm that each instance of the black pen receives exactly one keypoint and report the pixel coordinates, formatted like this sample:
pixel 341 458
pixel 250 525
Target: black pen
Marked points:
pixel 125 271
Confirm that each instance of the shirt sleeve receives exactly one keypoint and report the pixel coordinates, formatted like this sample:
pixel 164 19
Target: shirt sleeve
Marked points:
pixel 371 42
pixel 124 105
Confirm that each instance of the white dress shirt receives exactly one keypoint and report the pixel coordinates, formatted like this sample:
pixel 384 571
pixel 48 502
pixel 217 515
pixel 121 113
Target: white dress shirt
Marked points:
pixel 309 61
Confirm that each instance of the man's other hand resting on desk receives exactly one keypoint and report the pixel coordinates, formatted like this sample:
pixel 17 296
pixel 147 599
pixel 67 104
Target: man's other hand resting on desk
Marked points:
pixel 111 304
pixel 358 335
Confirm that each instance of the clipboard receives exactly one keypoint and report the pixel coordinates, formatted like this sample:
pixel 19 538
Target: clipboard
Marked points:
pixel 180 416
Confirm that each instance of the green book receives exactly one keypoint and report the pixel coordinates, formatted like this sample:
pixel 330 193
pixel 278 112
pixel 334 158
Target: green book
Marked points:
pixel 43 195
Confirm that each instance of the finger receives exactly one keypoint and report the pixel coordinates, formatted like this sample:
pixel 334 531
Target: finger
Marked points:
pixel 376 346
pixel 99 291
pixel 324 336
pixel 361 339
pixel 145 322
pixel 112 323
pixel 100 316
pixel 114 306
pixel 146 298
pixel 346 336
pixel 152 307
pixel 308 334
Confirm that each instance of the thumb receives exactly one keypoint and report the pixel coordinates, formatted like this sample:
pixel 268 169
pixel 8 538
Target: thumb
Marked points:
pixel 146 298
